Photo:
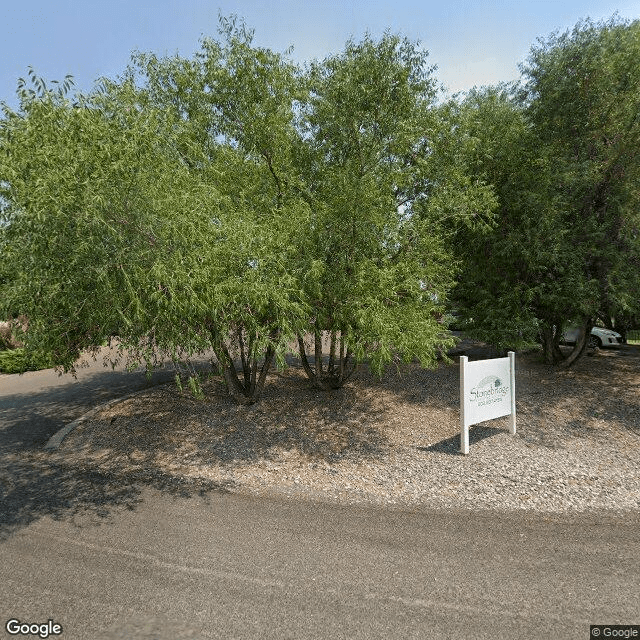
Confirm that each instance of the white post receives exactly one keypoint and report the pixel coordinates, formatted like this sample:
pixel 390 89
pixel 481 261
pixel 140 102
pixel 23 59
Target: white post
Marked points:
pixel 464 427
pixel 512 371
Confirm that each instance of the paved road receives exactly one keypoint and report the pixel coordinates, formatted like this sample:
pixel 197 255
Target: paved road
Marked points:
pixel 34 405
pixel 146 557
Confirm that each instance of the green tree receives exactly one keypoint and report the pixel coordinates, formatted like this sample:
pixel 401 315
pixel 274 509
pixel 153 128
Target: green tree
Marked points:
pixel 582 98
pixel 521 270
pixel 231 202
pixel 561 153
pixel 234 108
pixel 380 182
pixel 95 240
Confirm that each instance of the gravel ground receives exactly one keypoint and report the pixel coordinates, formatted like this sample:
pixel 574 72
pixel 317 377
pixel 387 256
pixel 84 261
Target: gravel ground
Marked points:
pixel 391 441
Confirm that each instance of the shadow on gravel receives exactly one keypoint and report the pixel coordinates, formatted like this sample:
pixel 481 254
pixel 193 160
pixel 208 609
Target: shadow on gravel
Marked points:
pixel 451 445
pixel 554 405
pixel 595 396
pixel 290 419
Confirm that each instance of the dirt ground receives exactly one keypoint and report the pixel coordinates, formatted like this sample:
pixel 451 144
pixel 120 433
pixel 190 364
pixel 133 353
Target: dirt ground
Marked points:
pixel 296 427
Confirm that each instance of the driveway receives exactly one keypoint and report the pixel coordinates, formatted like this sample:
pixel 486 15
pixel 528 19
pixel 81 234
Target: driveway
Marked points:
pixel 147 556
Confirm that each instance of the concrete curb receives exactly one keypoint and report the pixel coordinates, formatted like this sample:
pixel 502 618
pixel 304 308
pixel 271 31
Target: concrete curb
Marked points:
pixel 56 439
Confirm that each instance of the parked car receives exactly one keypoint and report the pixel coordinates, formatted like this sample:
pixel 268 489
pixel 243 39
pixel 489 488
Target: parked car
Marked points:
pixel 600 337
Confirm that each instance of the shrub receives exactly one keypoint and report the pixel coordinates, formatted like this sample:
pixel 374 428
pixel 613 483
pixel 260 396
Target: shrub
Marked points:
pixel 15 361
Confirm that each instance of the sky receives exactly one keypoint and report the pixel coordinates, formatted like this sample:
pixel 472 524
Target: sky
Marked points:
pixel 473 43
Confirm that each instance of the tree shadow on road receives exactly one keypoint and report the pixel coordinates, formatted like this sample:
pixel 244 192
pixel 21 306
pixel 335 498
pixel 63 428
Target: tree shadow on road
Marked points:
pixel 34 485
pixel 31 489
pixel 134 445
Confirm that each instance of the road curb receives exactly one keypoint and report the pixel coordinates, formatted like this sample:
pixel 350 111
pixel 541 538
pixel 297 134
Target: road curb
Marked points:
pixel 56 439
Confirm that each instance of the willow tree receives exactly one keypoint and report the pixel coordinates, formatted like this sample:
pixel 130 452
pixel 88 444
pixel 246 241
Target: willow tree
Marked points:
pixel 582 98
pixel 102 223
pixel 381 179
pixel 233 105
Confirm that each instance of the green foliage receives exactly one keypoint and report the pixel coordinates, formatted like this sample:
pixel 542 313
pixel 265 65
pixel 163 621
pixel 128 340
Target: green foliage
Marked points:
pixel 232 202
pixel 95 241
pixel 195 387
pixel 235 107
pixel 382 180
pixel 512 266
pixel 235 202
pixel 562 155
pixel 582 98
pixel 17 361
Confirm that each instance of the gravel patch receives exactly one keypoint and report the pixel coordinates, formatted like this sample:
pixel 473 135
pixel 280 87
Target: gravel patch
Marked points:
pixel 392 441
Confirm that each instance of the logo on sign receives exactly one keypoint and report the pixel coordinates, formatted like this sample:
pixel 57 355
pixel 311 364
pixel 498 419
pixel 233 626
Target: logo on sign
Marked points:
pixel 488 391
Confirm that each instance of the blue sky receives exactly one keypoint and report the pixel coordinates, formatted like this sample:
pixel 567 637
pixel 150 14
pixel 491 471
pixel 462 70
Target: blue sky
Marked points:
pixel 472 42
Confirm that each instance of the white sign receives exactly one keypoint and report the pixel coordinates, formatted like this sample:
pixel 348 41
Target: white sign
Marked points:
pixel 487 391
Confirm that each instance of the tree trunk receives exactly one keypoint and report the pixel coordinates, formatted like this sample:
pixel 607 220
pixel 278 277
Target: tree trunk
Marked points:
pixel 312 373
pixel 250 391
pixel 229 374
pixel 345 371
pixel 581 344
pixel 622 330
pixel 303 357
pixel 266 365
pixel 557 353
pixel 243 358
pixel 317 334
pixel 548 336
pixel 336 374
pixel 621 326
pixel 332 353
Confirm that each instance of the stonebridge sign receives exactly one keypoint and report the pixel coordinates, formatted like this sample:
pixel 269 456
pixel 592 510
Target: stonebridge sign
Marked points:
pixel 487 391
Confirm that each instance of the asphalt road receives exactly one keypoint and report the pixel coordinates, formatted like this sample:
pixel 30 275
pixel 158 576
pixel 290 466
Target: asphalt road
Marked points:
pixel 146 557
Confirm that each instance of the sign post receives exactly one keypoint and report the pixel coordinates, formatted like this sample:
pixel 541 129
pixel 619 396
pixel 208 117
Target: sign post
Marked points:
pixel 487 391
